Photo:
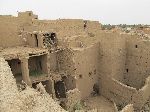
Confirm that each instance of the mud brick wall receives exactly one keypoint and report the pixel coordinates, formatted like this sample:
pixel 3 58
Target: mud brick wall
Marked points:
pixel 86 69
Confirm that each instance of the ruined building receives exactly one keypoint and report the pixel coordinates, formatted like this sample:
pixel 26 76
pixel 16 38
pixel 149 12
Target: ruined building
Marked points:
pixel 76 60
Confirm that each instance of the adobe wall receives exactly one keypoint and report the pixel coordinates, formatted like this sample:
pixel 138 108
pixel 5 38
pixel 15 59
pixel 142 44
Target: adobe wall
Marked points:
pixel 142 96
pixel 113 55
pixel 9 33
pixel 12 28
pixel 86 68
pixel 137 62
pixel 62 27
pixel 113 51
pixel 93 26
pixel 15 66
pixel 117 92
pixel 66 62
pixel 123 89
pixel 53 62
pixel 33 64
pixel 66 27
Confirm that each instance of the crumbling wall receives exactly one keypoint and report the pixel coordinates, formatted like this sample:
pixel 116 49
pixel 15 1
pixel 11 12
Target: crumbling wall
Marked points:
pixel 86 68
pixel 137 62
pixel 13 28
pixel 66 62
pixel 117 92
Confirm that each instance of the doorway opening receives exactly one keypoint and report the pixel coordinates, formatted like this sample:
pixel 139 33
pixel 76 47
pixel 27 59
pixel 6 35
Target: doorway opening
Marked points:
pixel 60 89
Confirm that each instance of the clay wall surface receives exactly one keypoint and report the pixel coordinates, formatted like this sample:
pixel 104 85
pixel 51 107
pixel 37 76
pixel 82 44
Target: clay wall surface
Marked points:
pixel 137 62
pixel 27 15
pixel 9 33
pixel 70 82
pixel 142 96
pixel 66 62
pixel 15 65
pixel 86 68
pixel 62 27
pixel 116 91
pixel 45 64
pixel 12 28
pixel 93 26
pixel 52 61
pixel 66 27
pixel 113 55
pixel 31 40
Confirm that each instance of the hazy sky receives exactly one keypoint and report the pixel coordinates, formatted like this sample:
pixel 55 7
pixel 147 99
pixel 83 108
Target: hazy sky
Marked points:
pixel 105 11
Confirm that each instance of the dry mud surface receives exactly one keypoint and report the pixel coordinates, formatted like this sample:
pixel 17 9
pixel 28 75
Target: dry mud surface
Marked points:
pixel 100 103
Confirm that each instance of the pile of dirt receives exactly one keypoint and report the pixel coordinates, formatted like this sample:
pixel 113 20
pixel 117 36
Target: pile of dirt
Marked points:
pixel 28 100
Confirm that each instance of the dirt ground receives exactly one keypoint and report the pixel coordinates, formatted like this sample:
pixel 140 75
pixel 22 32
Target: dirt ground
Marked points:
pixel 100 103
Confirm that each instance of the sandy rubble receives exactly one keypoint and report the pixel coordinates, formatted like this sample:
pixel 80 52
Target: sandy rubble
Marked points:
pixel 28 100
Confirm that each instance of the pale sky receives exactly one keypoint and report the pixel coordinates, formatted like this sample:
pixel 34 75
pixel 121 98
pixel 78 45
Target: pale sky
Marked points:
pixel 105 11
